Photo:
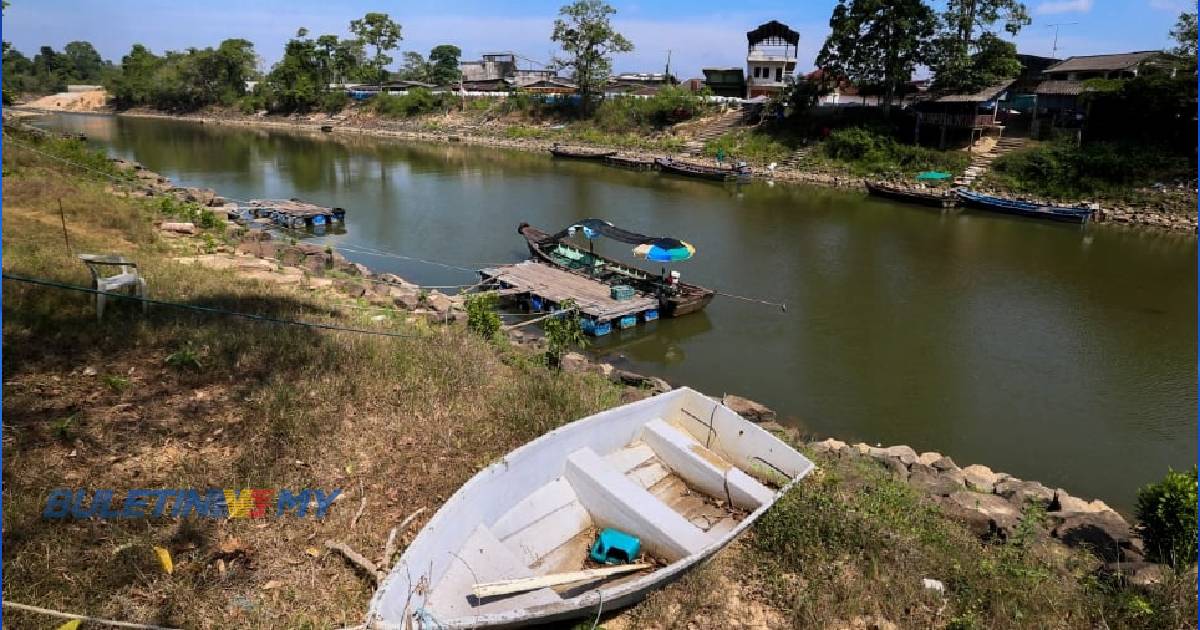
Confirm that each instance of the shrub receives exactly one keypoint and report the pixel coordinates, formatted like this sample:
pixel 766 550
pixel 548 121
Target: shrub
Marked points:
pixel 1064 170
pixel 670 105
pixel 871 152
pixel 412 103
pixel 482 317
pixel 563 331
pixel 1167 512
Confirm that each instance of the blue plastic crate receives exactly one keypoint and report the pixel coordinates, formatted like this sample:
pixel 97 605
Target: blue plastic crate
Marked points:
pixel 613 546
pixel 627 321
pixel 650 315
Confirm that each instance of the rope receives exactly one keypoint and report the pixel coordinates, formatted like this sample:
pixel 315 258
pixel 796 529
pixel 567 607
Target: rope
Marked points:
pixel 204 309
pixel 67 615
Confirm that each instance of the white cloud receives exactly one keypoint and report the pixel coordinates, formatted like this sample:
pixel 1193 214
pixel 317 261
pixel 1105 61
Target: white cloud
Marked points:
pixel 1067 6
pixel 1174 6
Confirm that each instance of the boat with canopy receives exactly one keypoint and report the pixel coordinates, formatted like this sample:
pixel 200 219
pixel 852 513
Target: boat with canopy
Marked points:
pixel 675 298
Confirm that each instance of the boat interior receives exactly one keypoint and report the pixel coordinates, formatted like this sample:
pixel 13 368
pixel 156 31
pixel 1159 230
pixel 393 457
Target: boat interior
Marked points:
pixel 680 478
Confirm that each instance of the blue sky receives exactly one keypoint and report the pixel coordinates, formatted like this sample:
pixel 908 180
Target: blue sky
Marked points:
pixel 699 32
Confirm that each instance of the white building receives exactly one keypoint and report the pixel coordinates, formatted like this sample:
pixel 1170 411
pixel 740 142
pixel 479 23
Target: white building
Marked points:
pixel 770 59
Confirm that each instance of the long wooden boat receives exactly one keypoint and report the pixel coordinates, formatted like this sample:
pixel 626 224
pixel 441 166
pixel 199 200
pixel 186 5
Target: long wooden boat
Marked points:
pixel 580 153
pixel 939 199
pixel 680 472
pixel 669 165
pixel 685 298
pixel 1068 214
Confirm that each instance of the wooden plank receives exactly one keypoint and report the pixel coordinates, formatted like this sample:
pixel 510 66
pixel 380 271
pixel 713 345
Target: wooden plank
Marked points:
pixel 704 469
pixel 556 285
pixel 506 587
pixel 616 501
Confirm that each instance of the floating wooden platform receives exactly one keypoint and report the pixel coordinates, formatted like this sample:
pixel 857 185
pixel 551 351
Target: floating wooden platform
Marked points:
pixel 555 286
pixel 292 213
pixel 637 163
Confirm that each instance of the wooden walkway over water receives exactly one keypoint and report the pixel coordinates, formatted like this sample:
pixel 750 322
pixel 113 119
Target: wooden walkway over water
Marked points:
pixel 556 285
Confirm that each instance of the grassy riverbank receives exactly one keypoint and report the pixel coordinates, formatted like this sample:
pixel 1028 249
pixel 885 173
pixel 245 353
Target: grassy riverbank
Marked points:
pixel 176 399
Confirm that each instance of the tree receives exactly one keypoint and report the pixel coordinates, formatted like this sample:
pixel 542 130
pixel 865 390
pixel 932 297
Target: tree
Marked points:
pixel 1185 34
pixel 414 67
pixel 377 30
pixel 1167 512
pixel 443 64
pixel 82 62
pixel 967 54
pixel 588 38
pixel 877 42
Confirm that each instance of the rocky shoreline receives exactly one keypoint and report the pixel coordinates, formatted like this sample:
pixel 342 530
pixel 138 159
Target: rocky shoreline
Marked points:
pixel 1156 215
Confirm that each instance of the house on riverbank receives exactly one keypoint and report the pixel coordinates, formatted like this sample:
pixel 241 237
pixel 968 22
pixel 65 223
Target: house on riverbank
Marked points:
pixel 771 51
pixel 960 118
pixel 1057 97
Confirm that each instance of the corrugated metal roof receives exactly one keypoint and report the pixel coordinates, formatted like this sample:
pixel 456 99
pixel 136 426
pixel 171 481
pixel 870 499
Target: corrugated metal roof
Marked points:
pixel 1119 61
pixel 1061 88
pixel 982 96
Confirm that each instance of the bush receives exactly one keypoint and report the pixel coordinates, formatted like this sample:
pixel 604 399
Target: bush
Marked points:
pixel 482 317
pixel 870 152
pixel 670 105
pixel 414 102
pixel 563 331
pixel 1064 170
pixel 1167 512
pixel 751 146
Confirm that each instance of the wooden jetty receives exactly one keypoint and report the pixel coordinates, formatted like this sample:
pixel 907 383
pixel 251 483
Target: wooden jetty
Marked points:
pixel 548 287
pixel 292 213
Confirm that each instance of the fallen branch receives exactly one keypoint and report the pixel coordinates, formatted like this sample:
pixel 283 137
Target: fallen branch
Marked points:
pixel 362 505
pixel 389 549
pixel 357 559
pixel 67 615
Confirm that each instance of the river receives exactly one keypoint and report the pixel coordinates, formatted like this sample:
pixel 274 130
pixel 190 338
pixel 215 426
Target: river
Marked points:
pixel 1051 352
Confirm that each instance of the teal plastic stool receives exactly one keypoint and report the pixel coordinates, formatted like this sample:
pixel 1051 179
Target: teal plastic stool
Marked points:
pixel 613 546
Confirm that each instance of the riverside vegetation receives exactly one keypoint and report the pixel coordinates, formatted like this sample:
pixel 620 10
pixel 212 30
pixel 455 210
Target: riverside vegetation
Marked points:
pixel 180 399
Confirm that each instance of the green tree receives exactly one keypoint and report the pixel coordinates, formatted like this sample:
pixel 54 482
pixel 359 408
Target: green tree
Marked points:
pixel 381 32
pixel 563 330
pixel 443 64
pixel 414 67
pixel 586 35
pixel 968 55
pixel 82 62
pixel 878 42
pixel 1185 35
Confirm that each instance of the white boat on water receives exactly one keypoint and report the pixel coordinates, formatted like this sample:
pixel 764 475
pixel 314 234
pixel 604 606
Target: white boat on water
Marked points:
pixel 679 471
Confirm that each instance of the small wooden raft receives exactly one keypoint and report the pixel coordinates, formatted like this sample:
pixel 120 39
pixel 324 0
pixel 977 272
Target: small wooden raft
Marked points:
pixel 594 298
pixel 292 213
pixel 633 162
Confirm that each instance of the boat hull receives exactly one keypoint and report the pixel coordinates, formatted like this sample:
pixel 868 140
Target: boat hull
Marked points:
pixel 690 299
pixel 1022 209
pixel 581 155
pixel 904 196
pixel 540 485
pixel 700 172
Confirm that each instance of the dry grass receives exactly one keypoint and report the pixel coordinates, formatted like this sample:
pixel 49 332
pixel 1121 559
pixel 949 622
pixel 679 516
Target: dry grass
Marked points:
pixel 407 420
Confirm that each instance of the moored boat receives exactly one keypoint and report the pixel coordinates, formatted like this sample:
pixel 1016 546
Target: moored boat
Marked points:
pixel 670 480
pixel 739 172
pixel 580 153
pixel 1068 214
pixel 675 299
pixel 934 197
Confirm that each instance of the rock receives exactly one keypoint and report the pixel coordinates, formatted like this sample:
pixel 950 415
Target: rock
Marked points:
pixel 179 228
pixel 1065 503
pixel 899 471
pixel 987 515
pixel 830 445
pixel 1103 533
pixel 1141 575
pixel 904 454
pixel 349 287
pixel 633 394
pixel 573 362
pixel 748 409
pixel 658 385
pixel 1022 492
pixel 604 369
pixel 935 482
pixel 933 585
pixel 929 458
pixel 981 478
pixel 439 302
pixel 945 463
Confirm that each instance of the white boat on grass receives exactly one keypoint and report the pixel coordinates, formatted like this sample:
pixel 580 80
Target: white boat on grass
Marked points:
pixel 679 471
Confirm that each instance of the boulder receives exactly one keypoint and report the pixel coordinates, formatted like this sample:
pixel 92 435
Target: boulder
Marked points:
pixel 929 457
pixel 934 482
pixel 898 470
pixel 1022 492
pixel 987 515
pixel 1065 503
pixel 981 478
pixel 179 228
pixel 573 362
pixel 748 409
pixel 1104 533
pixel 944 463
pixel 904 454
pixel 439 302
pixel 830 445
pixel 351 288
pixel 1142 575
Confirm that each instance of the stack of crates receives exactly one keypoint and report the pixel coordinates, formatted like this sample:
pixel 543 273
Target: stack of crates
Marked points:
pixel 622 292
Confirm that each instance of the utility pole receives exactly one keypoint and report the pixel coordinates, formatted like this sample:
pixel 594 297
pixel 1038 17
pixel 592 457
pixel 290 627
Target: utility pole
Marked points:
pixel 1054 51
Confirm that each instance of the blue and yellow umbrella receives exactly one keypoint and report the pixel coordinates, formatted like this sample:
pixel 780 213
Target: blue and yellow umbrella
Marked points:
pixel 665 250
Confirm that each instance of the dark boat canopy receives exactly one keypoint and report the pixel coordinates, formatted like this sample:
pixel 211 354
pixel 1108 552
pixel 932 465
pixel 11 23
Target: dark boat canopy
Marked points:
pixel 773 33
pixel 604 228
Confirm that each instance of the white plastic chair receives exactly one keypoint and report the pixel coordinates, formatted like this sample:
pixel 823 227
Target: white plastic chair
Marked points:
pixel 128 278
